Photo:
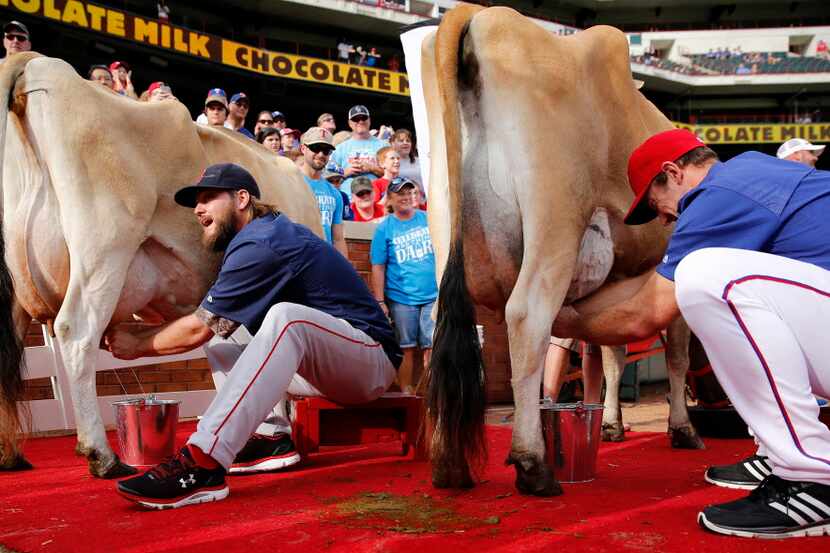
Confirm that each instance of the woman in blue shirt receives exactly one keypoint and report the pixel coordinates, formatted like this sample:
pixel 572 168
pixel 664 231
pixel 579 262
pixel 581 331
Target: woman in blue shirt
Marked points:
pixel 403 276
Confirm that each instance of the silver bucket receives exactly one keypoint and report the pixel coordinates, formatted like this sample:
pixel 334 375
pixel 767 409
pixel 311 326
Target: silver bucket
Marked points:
pixel 146 429
pixel 572 434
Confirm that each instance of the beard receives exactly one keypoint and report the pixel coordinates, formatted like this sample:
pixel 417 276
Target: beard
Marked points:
pixel 218 240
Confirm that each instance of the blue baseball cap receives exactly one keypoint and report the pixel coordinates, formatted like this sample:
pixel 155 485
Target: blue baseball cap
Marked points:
pixel 223 176
pixel 239 97
pixel 399 183
pixel 278 115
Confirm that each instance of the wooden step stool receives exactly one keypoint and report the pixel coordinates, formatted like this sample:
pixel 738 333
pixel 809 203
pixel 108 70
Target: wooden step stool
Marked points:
pixel 394 416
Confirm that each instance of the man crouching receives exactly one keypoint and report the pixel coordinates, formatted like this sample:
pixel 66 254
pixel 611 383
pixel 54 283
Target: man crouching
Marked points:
pixel 317 330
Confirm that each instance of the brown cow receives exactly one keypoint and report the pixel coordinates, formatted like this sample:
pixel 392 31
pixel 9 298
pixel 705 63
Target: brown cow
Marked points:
pixel 529 135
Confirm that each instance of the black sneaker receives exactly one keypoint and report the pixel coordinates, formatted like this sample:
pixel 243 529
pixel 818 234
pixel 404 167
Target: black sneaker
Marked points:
pixel 265 453
pixel 777 508
pixel 743 475
pixel 176 482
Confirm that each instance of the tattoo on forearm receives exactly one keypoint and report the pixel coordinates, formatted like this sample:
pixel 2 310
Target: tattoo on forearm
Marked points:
pixel 219 325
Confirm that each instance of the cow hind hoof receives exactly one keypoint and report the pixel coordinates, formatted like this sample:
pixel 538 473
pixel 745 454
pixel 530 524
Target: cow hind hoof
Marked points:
pixel 685 437
pixel 16 463
pixel 446 477
pixel 534 477
pixel 613 432
pixel 116 469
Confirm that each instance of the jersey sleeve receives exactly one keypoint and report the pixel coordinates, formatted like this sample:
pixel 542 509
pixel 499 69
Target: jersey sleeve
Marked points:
pixel 378 248
pixel 250 271
pixel 718 218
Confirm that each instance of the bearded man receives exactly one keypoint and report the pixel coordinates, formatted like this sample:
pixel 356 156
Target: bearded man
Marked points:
pixel 316 330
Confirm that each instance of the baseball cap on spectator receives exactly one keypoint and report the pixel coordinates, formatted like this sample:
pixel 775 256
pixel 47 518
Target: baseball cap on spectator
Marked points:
pixel 645 164
pixel 239 98
pixel 332 173
pixel 217 95
pixel 286 131
pixel 797 145
pixel 361 184
pixel 399 183
pixel 116 64
pixel 278 115
pixel 316 135
pixel 358 110
pixel 222 176
pixel 16 26
pixel 154 86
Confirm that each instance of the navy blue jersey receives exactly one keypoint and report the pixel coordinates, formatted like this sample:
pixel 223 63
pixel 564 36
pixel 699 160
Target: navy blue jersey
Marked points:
pixel 273 260
pixel 755 202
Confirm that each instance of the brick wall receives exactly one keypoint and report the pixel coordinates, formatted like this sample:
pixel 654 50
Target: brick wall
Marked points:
pixel 195 374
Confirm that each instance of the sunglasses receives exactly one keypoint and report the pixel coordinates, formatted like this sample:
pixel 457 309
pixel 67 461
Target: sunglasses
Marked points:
pixel 359 118
pixel 320 148
pixel 363 193
pixel 266 121
pixel 18 38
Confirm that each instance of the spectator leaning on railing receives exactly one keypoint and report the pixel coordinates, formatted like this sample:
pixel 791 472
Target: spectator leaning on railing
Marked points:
pixel 403 276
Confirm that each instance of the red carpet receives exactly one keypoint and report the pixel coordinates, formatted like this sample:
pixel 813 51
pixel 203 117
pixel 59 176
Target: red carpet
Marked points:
pixel 367 499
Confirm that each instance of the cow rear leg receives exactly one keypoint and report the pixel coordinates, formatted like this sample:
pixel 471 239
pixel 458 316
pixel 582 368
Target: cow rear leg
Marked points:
pixel 79 327
pixel 529 324
pixel 613 363
pixel 681 431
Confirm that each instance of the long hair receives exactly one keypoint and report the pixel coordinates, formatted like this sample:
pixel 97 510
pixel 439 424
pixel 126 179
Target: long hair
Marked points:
pixel 406 133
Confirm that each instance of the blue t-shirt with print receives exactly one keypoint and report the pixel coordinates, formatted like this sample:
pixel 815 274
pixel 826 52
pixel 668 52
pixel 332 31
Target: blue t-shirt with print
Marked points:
pixel 406 249
pixel 273 260
pixel 355 150
pixel 755 202
pixel 330 203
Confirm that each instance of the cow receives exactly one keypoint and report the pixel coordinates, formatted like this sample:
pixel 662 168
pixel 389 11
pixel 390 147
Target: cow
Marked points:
pixel 92 235
pixel 529 136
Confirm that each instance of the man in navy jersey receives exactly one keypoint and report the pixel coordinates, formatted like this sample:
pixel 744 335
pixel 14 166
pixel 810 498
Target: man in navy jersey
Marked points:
pixel 317 330
pixel 748 267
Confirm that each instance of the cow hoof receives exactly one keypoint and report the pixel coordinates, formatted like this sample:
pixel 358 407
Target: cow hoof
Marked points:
pixel 613 432
pixel 16 463
pixel 685 437
pixel 108 467
pixel 534 477
pixel 446 477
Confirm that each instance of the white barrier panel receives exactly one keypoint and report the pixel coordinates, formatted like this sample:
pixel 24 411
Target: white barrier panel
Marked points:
pixel 57 414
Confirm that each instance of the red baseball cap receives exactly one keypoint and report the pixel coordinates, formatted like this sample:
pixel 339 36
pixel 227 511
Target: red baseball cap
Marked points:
pixel 154 86
pixel 645 164
pixel 116 64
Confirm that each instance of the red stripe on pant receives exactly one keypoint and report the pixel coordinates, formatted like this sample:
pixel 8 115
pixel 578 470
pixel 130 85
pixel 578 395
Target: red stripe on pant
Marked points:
pixel 760 355
pixel 268 357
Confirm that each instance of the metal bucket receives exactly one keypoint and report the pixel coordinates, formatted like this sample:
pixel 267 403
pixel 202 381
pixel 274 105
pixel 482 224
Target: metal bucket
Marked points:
pixel 572 434
pixel 146 429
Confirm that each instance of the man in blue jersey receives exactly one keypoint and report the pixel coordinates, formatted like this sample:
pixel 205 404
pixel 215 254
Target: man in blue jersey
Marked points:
pixel 358 155
pixel 316 330
pixel 748 267
pixel 316 148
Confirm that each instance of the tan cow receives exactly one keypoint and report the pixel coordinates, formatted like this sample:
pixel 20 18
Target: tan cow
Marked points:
pixel 92 234
pixel 529 136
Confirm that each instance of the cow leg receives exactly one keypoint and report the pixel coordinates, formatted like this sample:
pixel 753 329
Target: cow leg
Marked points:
pixel 79 326
pixel 529 314
pixel 613 363
pixel 683 435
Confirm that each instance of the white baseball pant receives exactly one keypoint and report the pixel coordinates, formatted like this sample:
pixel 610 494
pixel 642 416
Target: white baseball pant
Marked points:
pixel 763 321
pixel 330 356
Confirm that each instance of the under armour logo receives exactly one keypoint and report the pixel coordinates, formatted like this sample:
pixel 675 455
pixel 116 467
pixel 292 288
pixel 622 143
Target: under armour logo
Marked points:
pixel 189 482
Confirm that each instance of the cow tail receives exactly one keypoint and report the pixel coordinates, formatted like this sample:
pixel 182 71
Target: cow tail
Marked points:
pixel 456 384
pixel 11 345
